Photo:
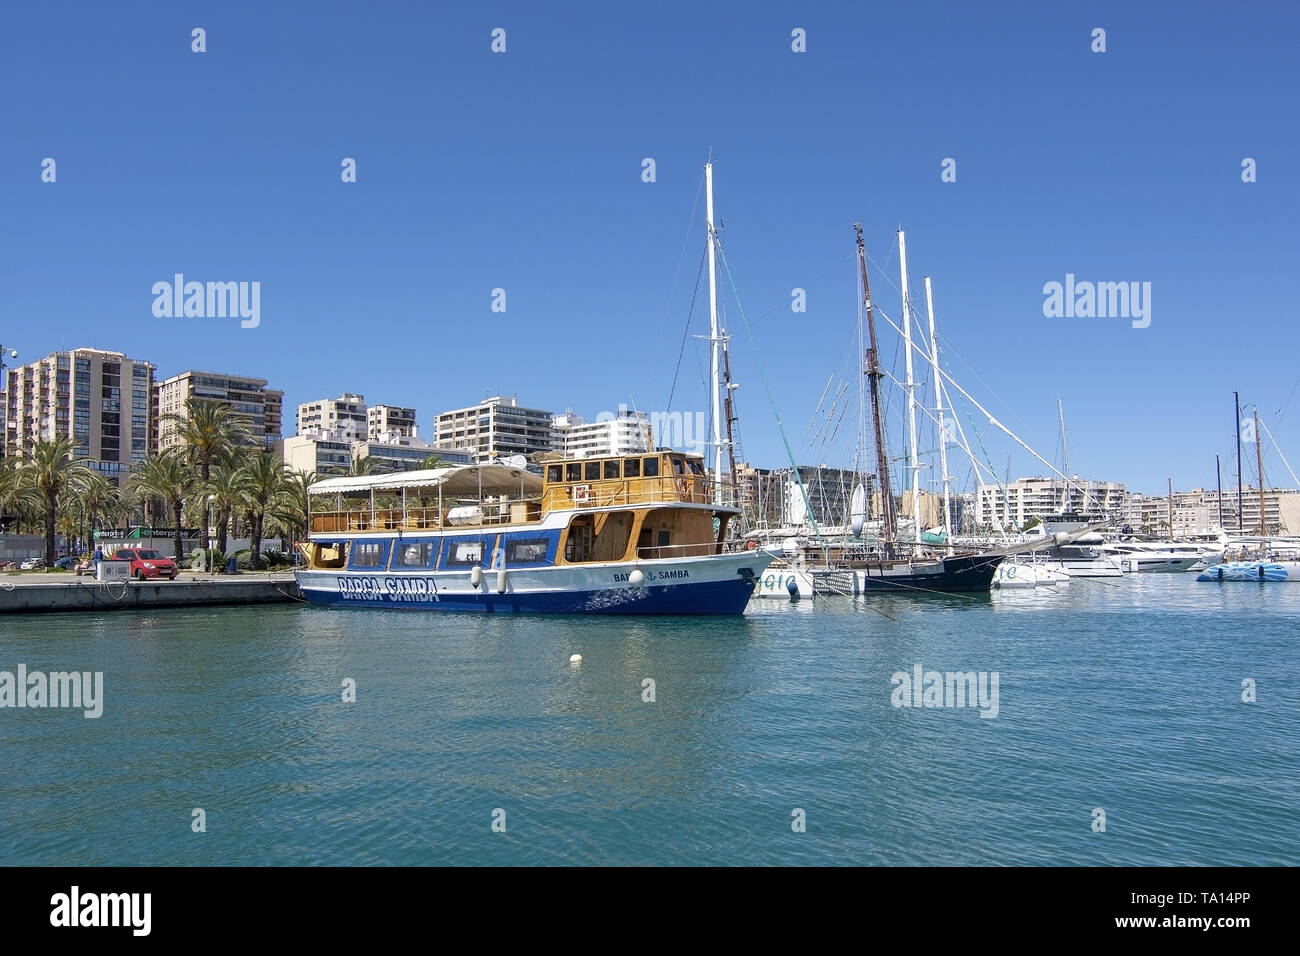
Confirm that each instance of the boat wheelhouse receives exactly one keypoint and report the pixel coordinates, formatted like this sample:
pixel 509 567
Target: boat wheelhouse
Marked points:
pixel 631 534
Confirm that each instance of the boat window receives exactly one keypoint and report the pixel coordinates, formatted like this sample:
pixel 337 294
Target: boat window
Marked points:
pixel 651 467
pixel 573 472
pixel 464 551
pixel 367 554
pixel 632 468
pixel 679 467
pixel 695 466
pixel 593 471
pixel 415 554
pixel 527 550
pixel 553 473
pixel 611 469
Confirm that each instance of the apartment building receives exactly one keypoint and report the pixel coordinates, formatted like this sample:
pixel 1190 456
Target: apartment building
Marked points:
pixel 258 407
pixel 101 400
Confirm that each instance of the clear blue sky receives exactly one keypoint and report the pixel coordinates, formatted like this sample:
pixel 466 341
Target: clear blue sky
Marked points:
pixel 522 171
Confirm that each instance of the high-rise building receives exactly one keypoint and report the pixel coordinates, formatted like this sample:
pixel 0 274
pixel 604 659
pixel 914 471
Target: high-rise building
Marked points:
pixel 258 407
pixel 346 417
pixel 390 420
pixel 774 497
pixel 1198 511
pixel 1013 505
pixel 496 428
pixel 626 433
pixel 101 400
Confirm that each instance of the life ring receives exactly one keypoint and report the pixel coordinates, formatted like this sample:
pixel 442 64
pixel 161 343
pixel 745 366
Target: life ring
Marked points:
pixel 751 545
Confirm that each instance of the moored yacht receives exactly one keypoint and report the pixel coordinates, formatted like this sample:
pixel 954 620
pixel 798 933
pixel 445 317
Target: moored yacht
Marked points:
pixel 1155 556
pixel 1019 574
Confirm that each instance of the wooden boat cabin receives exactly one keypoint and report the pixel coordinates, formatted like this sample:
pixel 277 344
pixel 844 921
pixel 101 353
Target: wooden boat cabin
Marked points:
pixel 578 511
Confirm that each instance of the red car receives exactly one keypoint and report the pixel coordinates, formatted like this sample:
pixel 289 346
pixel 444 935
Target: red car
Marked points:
pixel 147 563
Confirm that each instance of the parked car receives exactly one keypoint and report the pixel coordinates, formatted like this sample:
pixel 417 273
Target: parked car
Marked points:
pixel 32 564
pixel 147 563
pixel 66 563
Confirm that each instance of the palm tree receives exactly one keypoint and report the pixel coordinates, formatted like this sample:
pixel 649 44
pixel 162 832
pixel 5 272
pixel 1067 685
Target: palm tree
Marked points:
pixel 50 472
pixel 210 432
pixel 165 476
pixel 230 486
pixel 290 510
pixel 96 497
pixel 363 466
pixel 266 474
pixel 430 462
pixel 16 496
pixel 68 525
pixel 123 509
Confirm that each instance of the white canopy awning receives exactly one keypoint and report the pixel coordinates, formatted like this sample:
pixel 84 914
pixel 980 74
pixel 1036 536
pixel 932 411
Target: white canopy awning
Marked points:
pixel 458 480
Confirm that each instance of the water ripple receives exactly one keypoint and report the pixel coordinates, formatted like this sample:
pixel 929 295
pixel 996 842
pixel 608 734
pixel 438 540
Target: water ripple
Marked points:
pixel 1123 697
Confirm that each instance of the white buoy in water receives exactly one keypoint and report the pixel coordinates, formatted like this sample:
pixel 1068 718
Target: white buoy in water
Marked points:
pixel 476 577
pixel 575 659
pixel 636 578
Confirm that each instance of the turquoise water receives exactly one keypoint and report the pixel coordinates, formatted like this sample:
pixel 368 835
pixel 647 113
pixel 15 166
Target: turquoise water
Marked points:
pixel 1124 696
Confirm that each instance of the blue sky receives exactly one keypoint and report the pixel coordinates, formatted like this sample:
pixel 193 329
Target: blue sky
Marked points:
pixel 522 171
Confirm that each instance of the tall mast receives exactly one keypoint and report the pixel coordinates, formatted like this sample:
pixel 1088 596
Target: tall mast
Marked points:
pixel 729 413
pixel 1171 507
pixel 1259 459
pixel 911 391
pixel 1218 476
pixel 714 339
pixel 938 408
pixel 1065 459
pixel 1236 408
pixel 874 375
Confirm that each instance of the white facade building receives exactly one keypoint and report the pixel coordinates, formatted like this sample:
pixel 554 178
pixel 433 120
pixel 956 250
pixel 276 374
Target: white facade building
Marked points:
pixel 1027 498
pixel 345 417
pixel 627 433
pixel 497 427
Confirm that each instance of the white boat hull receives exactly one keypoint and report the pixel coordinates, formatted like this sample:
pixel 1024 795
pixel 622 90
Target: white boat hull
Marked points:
pixel 786 584
pixel 714 584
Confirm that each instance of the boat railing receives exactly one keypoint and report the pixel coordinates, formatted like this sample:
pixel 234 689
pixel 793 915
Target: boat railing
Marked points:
pixel 678 550
pixel 486 514
pixel 667 489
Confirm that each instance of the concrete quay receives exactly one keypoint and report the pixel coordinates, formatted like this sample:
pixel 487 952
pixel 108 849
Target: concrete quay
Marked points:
pixel 31 593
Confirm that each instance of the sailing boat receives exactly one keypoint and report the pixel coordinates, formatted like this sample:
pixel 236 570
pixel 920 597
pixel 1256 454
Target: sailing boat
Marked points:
pixel 898 565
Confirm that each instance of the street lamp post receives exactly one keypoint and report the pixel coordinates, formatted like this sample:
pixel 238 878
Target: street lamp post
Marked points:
pixel 208 552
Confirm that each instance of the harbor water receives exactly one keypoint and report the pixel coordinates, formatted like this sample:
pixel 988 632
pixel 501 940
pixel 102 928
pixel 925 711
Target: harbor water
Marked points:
pixel 772 738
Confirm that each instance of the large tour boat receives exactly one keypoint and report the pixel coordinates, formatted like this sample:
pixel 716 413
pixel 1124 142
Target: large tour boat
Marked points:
pixel 634 534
